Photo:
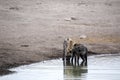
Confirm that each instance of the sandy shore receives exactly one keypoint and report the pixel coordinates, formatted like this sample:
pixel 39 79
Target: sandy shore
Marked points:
pixel 32 31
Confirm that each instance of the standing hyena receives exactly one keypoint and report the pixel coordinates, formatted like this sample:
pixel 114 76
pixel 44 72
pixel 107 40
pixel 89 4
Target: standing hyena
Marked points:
pixel 67 47
pixel 79 50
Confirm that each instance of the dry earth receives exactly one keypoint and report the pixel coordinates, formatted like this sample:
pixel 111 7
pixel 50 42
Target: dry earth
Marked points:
pixel 34 30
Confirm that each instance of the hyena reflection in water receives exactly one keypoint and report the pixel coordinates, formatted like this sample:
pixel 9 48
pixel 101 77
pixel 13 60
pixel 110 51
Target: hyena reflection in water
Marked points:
pixel 79 50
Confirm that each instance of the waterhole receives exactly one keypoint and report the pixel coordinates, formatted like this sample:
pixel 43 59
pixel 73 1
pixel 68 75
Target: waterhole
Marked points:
pixel 99 67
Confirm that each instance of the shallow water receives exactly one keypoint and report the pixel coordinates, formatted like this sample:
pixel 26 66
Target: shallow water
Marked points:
pixel 100 67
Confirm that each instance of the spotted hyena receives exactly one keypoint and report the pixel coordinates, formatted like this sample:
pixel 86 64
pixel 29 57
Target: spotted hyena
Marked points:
pixel 67 47
pixel 79 50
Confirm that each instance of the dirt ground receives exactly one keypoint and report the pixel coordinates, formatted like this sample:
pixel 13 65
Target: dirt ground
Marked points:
pixel 34 30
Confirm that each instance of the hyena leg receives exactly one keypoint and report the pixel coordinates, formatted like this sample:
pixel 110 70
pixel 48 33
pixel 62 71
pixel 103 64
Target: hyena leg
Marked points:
pixel 85 62
pixel 72 59
pixel 86 58
pixel 78 58
pixel 75 59
pixel 82 57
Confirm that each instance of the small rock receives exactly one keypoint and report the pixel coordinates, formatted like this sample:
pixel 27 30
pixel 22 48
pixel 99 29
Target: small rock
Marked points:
pixel 83 36
pixel 73 18
pixel 69 19
pixel 14 8
pixel 25 45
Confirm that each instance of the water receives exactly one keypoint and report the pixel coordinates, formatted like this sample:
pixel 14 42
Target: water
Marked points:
pixel 100 67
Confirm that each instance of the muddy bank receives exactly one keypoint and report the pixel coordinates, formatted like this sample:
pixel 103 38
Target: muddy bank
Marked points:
pixel 5 72
pixel 14 58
